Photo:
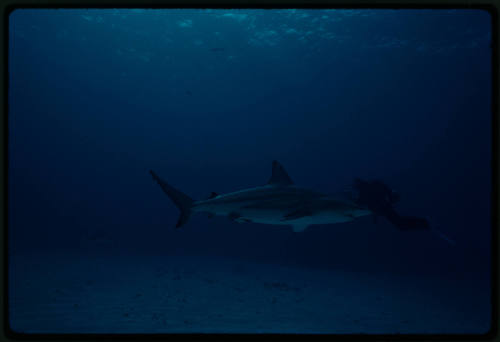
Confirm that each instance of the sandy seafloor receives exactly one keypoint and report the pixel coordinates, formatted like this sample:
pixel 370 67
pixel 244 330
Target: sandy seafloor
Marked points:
pixel 193 294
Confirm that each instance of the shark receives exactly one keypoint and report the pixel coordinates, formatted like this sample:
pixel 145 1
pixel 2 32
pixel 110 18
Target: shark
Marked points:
pixel 279 202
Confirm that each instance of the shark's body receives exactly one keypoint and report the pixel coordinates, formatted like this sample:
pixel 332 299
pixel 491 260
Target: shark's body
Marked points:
pixel 279 202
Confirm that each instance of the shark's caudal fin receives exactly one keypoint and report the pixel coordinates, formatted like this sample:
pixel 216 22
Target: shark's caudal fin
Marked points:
pixel 279 175
pixel 182 201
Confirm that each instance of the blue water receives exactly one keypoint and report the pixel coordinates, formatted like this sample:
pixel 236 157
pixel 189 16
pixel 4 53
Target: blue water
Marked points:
pixel 208 99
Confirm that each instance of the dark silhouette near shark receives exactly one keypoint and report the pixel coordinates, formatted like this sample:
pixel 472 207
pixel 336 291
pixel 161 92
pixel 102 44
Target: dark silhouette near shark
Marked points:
pixel 380 199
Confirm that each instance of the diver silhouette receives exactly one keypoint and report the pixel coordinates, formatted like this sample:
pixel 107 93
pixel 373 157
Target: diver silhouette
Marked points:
pixel 380 199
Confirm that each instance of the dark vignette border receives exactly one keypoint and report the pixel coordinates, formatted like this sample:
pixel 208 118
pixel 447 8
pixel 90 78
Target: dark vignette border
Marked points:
pixel 491 6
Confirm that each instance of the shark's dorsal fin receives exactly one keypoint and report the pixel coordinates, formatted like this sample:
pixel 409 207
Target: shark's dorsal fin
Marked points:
pixel 279 175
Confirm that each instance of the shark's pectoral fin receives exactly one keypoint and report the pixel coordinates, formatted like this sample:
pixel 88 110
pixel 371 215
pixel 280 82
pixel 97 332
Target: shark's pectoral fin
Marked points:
pixel 375 219
pixel 296 214
pixel 210 215
pixel 299 227
pixel 233 216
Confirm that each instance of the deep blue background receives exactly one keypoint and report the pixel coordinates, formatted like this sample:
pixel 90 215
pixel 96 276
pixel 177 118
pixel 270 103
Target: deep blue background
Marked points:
pixel 99 97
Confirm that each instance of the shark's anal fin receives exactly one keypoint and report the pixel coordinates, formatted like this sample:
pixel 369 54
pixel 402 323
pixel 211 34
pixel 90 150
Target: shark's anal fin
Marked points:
pixel 233 216
pixel 297 228
pixel 296 214
pixel 279 175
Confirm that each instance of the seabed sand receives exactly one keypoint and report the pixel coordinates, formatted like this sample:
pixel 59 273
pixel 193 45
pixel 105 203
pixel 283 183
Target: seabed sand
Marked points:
pixel 197 294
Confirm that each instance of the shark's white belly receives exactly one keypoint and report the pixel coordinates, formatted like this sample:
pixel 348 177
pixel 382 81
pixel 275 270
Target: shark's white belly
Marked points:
pixel 321 218
pixel 276 217
pixel 279 211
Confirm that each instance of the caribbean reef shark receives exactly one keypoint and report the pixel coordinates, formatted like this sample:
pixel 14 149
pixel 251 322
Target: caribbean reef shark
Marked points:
pixel 279 202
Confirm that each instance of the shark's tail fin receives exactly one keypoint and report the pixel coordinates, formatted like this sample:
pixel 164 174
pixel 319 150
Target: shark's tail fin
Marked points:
pixel 181 200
